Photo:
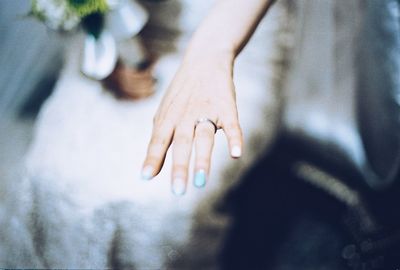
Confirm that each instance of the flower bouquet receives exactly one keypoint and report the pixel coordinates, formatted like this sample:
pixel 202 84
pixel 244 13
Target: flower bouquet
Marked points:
pixel 112 51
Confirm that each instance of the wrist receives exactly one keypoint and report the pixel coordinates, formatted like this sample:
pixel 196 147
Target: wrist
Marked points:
pixel 217 56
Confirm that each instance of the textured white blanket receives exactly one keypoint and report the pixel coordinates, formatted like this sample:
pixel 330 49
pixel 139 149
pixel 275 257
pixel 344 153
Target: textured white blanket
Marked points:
pixel 83 204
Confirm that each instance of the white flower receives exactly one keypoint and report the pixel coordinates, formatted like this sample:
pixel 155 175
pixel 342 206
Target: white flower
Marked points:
pixel 56 14
pixel 115 3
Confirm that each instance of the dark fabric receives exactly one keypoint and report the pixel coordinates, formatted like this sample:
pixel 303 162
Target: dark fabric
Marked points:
pixel 378 87
pixel 343 86
pixel 281 222
pixel 341 117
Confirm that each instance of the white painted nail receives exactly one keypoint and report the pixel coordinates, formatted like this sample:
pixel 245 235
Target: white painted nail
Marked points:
pixel 236 151
pixel 147 172
pixel 179 186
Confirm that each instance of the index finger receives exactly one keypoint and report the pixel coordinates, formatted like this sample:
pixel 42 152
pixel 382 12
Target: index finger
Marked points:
pixel 156 151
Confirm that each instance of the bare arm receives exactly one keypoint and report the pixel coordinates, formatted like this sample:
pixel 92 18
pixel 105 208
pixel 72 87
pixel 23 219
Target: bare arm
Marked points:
pixel 229 25
pixel 203 88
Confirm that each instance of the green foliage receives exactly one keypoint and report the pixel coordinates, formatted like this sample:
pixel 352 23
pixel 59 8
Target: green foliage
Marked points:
pixel 67 14
pixel 35 12
pixel 87 7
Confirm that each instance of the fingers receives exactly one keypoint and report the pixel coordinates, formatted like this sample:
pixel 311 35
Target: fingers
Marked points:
pixel 156 151
pixel 183 136
pixel 182 148
pixel 234 136
pixel 204 142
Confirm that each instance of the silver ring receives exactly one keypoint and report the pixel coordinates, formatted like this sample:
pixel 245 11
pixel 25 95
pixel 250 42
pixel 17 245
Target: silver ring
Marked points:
pixel 204 120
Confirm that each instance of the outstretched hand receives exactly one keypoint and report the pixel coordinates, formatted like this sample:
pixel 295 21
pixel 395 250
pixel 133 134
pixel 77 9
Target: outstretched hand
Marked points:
pixel 200 100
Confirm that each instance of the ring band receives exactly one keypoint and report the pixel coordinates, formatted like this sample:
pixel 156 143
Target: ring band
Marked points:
pixel 204 120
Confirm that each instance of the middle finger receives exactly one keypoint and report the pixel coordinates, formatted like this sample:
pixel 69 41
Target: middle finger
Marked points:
pixel 182 148
pixel 204 142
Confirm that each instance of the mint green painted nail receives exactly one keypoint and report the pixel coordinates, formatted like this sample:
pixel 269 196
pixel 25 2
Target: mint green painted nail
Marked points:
pixel 200 179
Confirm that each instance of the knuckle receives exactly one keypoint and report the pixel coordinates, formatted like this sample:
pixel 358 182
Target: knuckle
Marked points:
pixel 204 133
pixel 156 151
pixel 159 140
pixel 203 162
pixel 155 119
pixel 180 168
pixel 152 159
pixel 162 122
pixel 183 139
pixel 234 133
pixel 233 130
pixel 232 126
pixel 184 127
pixel 158 120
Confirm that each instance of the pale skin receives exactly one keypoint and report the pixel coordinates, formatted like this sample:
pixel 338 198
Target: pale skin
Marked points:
pixel 203 88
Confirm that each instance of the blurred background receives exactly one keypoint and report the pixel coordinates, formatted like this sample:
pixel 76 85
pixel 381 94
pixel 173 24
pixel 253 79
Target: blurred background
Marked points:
pixel 26 81
pixel 317 187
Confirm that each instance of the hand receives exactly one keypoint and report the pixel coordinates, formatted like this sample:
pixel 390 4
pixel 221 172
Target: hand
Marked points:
pixel 201 89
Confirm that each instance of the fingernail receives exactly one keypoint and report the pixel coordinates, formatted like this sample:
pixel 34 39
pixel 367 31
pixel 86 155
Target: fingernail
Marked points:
pixel 179 186
pixel 200 179
pixel 147 172
pixel 236 151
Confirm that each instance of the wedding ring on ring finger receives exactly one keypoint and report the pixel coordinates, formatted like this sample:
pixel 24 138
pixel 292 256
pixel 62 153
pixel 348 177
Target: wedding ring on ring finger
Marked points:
pixel 206 120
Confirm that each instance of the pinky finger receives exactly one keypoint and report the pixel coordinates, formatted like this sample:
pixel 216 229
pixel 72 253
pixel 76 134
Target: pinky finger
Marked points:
pixel 234 136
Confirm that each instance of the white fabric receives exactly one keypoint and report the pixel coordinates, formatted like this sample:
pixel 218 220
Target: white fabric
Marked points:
pixel 83 199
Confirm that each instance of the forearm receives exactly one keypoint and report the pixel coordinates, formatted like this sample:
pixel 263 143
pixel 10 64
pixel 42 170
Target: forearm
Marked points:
pixel 228 27
pixel 203 89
